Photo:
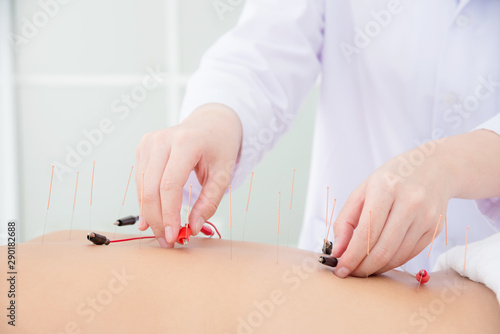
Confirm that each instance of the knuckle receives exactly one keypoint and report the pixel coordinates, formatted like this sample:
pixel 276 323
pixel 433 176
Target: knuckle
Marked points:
pixel 144 140
pixel 432 218
pixel 400 257
pixel 211 206
pixel 418 196
pixel 373 188
pixel 168 183
pixel 373 233
pixel 171 218
pixel 381 255
pixel 183 136
pixel 149 195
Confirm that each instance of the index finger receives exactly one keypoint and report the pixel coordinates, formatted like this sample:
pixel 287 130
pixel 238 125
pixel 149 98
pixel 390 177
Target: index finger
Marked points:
pixel 179 166
pixel 357 249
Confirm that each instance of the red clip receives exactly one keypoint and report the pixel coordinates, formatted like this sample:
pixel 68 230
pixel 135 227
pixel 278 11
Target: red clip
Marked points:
pixel 422 276
pixel 184 234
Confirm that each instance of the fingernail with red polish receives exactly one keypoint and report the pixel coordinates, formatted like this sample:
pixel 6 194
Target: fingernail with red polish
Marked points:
pixel 163 243
pixel 342 272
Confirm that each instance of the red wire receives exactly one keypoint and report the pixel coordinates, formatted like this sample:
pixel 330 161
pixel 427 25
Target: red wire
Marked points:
pixel 215 228
pixel 150 237
pixel 129 239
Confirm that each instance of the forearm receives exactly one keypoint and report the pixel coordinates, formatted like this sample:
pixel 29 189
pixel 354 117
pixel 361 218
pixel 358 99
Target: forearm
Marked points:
pixel 471 162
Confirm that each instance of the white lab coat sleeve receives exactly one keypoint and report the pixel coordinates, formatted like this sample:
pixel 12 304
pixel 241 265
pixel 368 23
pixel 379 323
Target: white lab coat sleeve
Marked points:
pixel 490 207
pixel 263 69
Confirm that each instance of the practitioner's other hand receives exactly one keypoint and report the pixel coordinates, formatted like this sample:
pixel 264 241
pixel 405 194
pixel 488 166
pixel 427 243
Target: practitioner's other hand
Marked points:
pixel 208 141
pixel 407 195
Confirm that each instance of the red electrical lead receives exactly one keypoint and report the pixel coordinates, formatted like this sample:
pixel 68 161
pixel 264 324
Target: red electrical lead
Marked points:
pixel 129 239
pixel 183 237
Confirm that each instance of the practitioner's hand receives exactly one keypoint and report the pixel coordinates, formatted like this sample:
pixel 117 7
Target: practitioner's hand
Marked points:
pixel 207 141
pixel 407 195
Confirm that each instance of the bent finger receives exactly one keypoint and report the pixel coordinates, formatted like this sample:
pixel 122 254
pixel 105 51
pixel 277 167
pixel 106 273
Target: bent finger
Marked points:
pixel 151 200
pixel 209 199
pixel 347 221
pixel 383 250
pixel 179 166
pixel 356 251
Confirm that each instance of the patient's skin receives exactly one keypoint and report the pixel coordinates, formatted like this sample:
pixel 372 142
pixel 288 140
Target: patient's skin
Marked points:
pixel 76 287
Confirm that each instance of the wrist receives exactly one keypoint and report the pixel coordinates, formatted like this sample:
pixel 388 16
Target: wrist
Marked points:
pixel 469 164
pixel 217 118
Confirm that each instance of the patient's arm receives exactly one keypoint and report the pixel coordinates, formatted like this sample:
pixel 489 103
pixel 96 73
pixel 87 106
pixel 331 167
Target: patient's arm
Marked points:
pixel 134 287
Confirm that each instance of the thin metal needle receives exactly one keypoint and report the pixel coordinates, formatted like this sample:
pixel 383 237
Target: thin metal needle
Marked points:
pixel 48 204
pixel 74 201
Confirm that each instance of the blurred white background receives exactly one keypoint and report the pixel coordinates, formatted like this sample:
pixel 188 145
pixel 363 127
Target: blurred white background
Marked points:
pixel 71 62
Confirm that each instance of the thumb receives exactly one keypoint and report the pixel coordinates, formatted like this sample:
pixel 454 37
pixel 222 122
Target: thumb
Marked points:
pixel 207 203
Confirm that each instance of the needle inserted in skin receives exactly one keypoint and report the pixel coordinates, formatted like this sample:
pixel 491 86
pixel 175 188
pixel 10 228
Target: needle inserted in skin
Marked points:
pixel 124 196
pixel 230 225
pixel 290 217
pixel 142 206
pixel 369 232
pixel 434 236
pixel 91 194
pixel 48 203
pixel 430 248
pixel 326 217
pixel 74 201
pixel 246 211
pixel 278 234
pixel 331 219
pixel 465 257
pixel 328 245
pixel 466 239
pixel 189 205
pixel 446 229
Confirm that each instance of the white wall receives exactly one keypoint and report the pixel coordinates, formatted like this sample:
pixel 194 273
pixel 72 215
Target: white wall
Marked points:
pixel 9 187
pixel 87 55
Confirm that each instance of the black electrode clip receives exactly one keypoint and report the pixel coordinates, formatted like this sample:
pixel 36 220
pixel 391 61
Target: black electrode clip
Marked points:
pixel 98 239
pixel 327 247
pixel 328 261
pixel 129 220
